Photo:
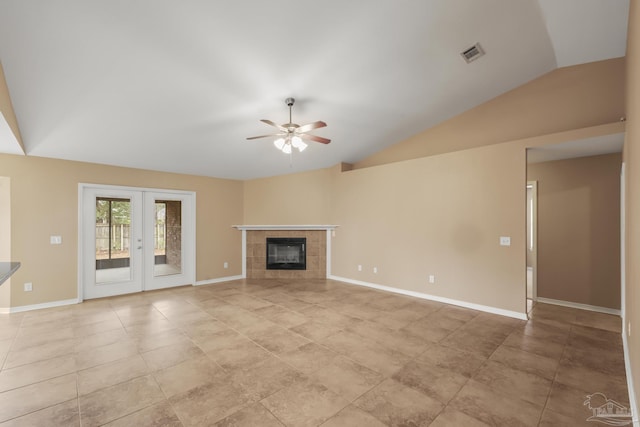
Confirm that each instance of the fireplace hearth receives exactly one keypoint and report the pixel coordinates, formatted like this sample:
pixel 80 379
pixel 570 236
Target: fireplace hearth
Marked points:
pixel 286 253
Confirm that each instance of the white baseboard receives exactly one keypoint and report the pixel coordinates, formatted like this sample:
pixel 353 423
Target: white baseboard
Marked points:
pixel 51 304
pixel 630 385
pixel 218 280
pixel 570 304
pixel 465 304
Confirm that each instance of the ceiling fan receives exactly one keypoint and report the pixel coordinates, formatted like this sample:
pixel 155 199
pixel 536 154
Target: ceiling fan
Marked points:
pixel 293 135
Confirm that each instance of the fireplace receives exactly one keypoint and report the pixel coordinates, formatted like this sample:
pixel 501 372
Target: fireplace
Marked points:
pixel 286 253
pixel 317 250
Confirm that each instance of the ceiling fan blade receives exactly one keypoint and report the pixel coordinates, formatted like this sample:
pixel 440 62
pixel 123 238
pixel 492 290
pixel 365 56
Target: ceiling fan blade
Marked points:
pixel 315 138
pixel 266 136
pixel 270 123
pixel 311 126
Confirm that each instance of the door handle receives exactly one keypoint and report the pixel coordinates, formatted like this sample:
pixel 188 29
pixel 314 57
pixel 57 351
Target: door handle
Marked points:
pixel 139 247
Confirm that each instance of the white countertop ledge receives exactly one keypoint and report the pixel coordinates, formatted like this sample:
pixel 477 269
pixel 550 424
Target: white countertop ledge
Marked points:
pixel 7 269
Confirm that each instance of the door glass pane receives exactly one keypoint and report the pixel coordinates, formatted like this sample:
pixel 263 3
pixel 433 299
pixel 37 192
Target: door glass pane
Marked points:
pixel 113 240
pixel 168 238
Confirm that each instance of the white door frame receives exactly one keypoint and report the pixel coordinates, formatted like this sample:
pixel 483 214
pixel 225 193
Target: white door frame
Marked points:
pixel 533 185
pixel 189 228
pixel 623 273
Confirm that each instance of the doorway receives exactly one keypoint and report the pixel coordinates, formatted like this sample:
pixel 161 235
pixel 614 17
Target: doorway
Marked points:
pixel 134 240
pixel 532 243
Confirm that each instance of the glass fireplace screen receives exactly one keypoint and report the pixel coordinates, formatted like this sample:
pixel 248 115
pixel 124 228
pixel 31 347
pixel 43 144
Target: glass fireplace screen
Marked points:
pixel 286 253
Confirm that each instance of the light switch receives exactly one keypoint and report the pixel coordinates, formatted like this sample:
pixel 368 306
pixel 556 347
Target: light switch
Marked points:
pixel 505 241
pixel 56 240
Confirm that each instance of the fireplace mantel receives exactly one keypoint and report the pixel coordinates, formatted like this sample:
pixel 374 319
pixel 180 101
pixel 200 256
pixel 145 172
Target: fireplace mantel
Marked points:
pixel 329 229
pixel 285 227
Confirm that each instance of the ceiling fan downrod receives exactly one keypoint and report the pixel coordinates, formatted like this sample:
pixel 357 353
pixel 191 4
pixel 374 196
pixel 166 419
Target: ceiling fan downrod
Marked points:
pixel 290 102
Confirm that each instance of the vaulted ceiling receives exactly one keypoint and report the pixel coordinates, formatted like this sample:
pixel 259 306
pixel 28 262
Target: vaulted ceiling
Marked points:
pixel 178 86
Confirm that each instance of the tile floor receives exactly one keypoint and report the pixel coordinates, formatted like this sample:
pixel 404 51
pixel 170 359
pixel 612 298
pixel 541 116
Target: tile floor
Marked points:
pixel 274 353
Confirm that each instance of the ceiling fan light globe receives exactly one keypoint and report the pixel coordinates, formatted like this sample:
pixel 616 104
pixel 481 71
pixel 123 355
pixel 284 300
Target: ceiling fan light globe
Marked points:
pixel 302 146
pixel 296 141
pixel 279 143
pixel 286 149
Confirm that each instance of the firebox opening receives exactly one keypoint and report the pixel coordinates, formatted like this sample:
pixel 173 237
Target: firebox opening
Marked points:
pixel 286 253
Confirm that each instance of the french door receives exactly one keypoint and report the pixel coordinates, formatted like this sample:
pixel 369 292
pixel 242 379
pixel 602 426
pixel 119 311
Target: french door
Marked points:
pixel 135 240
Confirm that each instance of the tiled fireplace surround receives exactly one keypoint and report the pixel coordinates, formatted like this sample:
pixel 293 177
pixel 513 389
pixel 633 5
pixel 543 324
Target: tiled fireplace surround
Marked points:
pixel 255 248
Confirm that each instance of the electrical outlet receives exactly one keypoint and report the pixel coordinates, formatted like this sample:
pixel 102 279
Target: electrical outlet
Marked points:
pixel 432 278
pixel 359 267
pixel 55 240
pixel 28 287
pixel 505 241
pixel 375 270
pixel 226 265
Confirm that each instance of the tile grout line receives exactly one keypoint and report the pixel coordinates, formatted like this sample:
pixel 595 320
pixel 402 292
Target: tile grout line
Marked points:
pixel 553 381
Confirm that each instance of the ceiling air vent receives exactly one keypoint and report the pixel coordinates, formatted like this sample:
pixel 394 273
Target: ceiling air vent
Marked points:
pixel 473 53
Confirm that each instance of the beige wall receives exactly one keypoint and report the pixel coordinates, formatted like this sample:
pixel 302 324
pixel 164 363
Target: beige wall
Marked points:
pixel 299 199
pixel 44 201
pixel 440 215
pixel 567 98
pixel 632 198
pixel 579 229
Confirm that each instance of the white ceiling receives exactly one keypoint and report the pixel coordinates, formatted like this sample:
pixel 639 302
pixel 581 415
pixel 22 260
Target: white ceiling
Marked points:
pixel 178 86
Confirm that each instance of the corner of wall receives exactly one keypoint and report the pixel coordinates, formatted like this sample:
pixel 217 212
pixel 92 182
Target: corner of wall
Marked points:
pixel 8 114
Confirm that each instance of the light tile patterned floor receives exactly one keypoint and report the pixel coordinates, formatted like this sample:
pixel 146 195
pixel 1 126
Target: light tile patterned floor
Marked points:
pixel 274 353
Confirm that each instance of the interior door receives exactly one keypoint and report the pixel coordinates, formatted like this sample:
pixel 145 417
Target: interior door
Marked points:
pixel 168 238
pixel 112 242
